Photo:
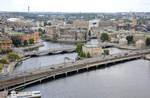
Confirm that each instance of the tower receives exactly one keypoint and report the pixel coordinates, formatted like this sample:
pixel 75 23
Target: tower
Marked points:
pixel 28 9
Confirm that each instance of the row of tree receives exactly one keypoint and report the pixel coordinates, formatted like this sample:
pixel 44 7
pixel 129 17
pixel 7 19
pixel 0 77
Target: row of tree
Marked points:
pixel 17 42
pixel 11 56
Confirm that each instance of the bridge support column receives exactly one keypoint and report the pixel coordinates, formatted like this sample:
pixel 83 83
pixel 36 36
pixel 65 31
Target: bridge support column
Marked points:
pixel 54 76
pixel 87 68
pixel 40 81
pixel 77 70
pixel 96 66
pixel 66 74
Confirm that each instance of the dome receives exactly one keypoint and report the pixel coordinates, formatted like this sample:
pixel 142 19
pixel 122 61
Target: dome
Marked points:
pixel 123 40
pixel 140 42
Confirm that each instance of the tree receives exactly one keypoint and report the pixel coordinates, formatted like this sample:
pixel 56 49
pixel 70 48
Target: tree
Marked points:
pixel 104 37
pixel 31 41
pixel 88 55
pixel 79 47
pixel 106 52
pixel 25 43
pixel 3 61
pixel 82 54
pixel 1 67
pixel 69 22
pixel 16 41
pixel 13 56
pixel 89 33
pixel 85 37
pixel 130 39
pixel 76 36
pixel 147 42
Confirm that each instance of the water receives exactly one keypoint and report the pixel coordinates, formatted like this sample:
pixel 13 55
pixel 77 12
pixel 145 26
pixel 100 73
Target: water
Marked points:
pixel 126 80
pixel 47 60
pixel 115 50
pixel 50 45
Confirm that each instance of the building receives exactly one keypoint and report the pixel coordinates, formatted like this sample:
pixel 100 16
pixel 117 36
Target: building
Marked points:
pixel 52 31
pixel 73 33
pixel 34 36
pixel 5 44
pixel 140 44
pixel 93 48
pixel 24 35
pixel 94 23
pixel 63 33
pixel 123 41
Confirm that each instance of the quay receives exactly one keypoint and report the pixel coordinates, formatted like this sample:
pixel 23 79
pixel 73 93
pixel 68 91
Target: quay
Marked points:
pixel 17 80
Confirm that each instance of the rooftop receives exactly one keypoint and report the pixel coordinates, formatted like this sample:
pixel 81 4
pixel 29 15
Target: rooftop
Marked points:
pixel 92 44
pixel 4 39
pixel 13 33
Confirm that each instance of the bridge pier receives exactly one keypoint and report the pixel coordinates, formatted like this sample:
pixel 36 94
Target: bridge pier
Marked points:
pixel 54 76
pixel 87 68
pixel 66 74
pixel 77 70
pixel 40 81
pixel 97 66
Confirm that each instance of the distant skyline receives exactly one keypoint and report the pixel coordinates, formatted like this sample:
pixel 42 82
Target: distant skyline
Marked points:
pixel 75 5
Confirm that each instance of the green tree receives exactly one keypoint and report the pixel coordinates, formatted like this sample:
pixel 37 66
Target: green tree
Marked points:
pixel 79 47
pixel 31 41
pixel 16 41
pixel 82 54
pixel 76 36
pixel 1 67
pixel 25 43
pixel 13 56
pixel 70 22
pixel 3 61
pixel 88 55
pixel 147 42
pixel 130 39
pixel 106 52
pixel 85 36
pixel 89 33
pixel 104 37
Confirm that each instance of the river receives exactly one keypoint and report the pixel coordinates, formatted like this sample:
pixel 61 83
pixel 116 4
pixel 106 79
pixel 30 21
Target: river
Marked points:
pixel 125 80
pixel 47 60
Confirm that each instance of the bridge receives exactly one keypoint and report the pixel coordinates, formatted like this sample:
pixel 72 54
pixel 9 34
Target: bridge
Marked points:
pixel 51 51
pixel 108 44
pixel 17 80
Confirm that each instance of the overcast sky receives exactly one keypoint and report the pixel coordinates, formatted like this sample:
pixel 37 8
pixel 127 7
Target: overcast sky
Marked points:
pixel 75 5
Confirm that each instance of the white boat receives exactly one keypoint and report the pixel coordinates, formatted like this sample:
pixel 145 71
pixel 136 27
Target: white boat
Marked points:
pixel 33 94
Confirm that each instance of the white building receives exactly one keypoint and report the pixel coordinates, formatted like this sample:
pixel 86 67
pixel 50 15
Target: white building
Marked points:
pixel 94 23
pixel 140 44
pixel 93 48
pixel 123 41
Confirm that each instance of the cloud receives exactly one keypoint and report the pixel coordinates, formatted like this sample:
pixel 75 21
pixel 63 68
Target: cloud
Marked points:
pixel 76 5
